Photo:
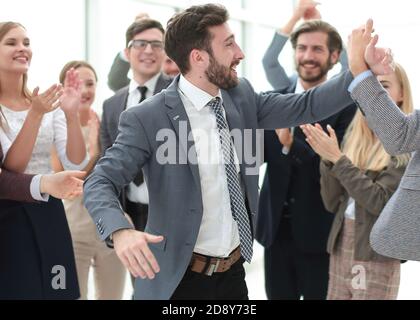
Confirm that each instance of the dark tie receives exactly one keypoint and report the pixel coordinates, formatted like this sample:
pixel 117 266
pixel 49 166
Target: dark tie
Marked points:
pixel 143 91
pixel 138 180
pixel 237 201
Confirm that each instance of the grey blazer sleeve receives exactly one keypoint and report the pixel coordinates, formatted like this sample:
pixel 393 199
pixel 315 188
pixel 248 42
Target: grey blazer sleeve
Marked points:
pixel 398 132
pixel 275 110
pixel 274 72
pixel 115 170
pixel 117 76
pixel 344 60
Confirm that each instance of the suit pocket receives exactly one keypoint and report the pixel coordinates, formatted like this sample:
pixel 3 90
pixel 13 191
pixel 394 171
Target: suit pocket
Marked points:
pixel 410 182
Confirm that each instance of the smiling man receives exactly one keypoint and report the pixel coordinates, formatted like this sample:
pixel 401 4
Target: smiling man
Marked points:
pixel 199 229
pixel 293 224
pixel 145 53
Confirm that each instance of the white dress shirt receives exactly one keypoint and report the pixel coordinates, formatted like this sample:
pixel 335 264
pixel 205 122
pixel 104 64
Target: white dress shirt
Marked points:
pixel 350 212
pixel 218 235
pixel 139 193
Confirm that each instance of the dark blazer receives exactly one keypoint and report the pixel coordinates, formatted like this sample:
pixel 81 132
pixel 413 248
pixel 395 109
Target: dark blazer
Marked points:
pixel 14 186
pixel 35 244
pixel 295 179
pixel 176 204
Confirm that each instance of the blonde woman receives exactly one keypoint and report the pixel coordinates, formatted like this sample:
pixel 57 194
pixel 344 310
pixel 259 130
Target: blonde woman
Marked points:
pixel 90 252
pixel 356 183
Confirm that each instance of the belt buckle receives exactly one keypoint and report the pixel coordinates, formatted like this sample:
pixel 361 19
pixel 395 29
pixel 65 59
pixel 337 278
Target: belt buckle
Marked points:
pixel 212 268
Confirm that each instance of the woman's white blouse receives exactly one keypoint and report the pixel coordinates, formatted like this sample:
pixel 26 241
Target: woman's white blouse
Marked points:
pixel 52 132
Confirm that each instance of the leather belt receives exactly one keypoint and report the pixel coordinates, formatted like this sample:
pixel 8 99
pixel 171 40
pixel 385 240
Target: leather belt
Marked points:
pixel 209 265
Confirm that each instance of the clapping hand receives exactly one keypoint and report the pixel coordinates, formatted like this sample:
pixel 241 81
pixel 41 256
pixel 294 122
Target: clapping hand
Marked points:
pixel 47 101
pixel 306 9
pixel 70 100
pixel 363 53
pixel 325 145
pixel 380 60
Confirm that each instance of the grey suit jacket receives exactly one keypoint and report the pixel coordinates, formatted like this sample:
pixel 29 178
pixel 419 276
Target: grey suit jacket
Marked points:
pixel 117 76
pixel 396 233
pixel 175 200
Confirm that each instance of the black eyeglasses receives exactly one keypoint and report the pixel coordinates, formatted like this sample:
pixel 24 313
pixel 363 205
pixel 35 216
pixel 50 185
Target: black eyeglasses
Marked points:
pixel 142 44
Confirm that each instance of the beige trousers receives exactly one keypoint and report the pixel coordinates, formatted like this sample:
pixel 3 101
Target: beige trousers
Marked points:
pixel 108 272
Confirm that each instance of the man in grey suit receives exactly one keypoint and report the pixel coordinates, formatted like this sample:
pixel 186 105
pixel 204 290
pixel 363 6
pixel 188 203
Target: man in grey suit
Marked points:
pixel 203 198
pixel 144 51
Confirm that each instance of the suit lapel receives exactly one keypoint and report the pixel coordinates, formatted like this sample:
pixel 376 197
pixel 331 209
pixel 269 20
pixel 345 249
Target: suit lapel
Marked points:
pixel 181 124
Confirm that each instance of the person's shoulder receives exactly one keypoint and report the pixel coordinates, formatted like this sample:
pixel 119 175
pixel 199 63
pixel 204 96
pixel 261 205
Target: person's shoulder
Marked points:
pixel 118 95
pixel 150 107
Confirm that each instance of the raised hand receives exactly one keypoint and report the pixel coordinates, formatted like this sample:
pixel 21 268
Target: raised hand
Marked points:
pixel 326 146
pixel 132 249
pixel 356 49
pixel 306 9
pixel 70 100
pixel 380 60
pixel 47 101
pixel 63 185
pixel 285 137
pixel 311 14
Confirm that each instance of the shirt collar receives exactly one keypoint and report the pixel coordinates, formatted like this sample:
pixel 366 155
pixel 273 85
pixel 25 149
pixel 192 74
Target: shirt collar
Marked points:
pixel 199 98
pixel 150 84
pixel 299 87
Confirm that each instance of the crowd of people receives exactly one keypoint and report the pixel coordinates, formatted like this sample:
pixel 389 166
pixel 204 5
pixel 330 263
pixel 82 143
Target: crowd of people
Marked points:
pixel 164 183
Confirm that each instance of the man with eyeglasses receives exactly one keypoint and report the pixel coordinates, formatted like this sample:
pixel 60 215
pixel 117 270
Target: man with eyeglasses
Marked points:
pixel 145 53
pixel 117 76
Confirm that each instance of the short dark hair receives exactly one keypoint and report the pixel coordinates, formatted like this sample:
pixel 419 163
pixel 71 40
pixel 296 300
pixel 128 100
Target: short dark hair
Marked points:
pixel 188 30
pixel 334 41
pixel 76 64
pixel 141 25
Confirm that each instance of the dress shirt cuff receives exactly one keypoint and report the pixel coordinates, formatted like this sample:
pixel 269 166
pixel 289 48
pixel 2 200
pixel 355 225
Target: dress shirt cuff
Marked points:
pixel 122 56
pixel 359 79
pixel 285 150
pixel 68 165
pixel 282 34
pixel 35 189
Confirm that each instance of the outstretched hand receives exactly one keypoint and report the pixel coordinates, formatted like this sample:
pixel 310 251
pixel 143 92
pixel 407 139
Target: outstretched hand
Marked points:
pixel 63 185
pixel 132 249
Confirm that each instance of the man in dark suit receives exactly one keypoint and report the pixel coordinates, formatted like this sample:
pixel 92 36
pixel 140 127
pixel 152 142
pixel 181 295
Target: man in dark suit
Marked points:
pixel 145 53
pixel 292 223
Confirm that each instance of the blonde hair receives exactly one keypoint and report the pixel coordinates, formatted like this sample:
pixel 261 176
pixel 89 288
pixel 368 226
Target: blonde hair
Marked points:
pixel 362 146
pixel 5 27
